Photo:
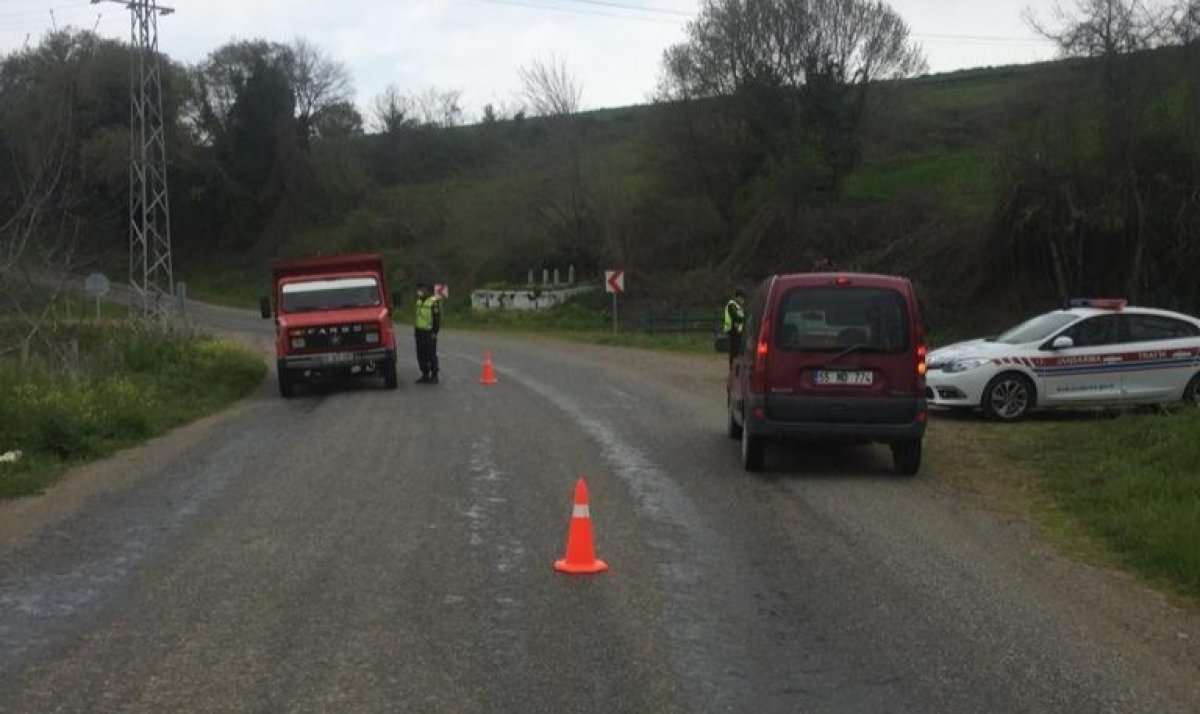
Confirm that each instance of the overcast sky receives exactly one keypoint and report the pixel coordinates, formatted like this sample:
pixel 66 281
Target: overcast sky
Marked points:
pixel 476 46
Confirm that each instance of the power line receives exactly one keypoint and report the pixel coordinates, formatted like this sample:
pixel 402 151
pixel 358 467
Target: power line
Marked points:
pixel 978 38
pixel 75 21
pixel 574 11
pixel 640 8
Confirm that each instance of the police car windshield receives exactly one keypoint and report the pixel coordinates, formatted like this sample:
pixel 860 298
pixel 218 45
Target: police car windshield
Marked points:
pixel 1037 329
pixel 334 294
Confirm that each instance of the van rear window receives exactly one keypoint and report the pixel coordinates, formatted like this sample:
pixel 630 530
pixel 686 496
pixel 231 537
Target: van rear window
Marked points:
pixel 830 319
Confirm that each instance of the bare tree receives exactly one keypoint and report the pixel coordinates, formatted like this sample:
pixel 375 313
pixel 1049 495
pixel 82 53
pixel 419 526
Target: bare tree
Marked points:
pixel 1102 28
pixel 394 110
pixel 438 108
pixel 1111 31
pixel 548 88
pixel 1185 25
pixel 391 110
pixel 319 82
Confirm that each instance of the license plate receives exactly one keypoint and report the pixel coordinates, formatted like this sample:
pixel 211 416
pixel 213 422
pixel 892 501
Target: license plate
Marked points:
pixel 844 377
pixel 337 357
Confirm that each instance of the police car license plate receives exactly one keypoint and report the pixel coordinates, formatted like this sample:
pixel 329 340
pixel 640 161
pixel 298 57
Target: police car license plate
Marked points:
pixel 844 377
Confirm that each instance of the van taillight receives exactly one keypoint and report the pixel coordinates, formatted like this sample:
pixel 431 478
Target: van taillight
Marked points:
pixel 759 385
pixel 921 366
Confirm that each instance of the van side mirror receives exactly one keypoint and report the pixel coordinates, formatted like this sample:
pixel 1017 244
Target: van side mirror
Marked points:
pixel 264 308
pixel 397 298
pixel 722 344
pixel 1062 342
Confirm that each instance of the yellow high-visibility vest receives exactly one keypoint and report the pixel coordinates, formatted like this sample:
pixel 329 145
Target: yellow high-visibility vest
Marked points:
pixel 424 318
pixel 735 317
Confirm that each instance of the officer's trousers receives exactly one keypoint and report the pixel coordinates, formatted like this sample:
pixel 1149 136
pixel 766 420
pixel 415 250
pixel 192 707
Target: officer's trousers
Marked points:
pixel 427 352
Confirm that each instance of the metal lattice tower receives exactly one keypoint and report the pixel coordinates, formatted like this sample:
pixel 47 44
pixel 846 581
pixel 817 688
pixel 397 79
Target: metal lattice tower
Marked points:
pixel 151 268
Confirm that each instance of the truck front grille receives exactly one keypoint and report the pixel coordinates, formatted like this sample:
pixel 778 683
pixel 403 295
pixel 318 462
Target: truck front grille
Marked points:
pixel 336 337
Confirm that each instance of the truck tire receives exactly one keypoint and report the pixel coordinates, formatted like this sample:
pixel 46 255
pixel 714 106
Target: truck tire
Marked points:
pixel 287 387
pixel 390 381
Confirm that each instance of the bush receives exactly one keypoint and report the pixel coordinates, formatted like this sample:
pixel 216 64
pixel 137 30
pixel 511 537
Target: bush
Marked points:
pixel 130 385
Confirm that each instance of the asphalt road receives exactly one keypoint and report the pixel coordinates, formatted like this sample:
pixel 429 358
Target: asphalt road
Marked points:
pixel 360 550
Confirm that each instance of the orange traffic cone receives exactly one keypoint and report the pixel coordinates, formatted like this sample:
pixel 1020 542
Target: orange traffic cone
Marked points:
pixel 489 371
pixel 581 550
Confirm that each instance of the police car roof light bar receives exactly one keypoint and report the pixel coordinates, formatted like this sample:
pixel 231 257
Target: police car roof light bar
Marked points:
pixel 1100 303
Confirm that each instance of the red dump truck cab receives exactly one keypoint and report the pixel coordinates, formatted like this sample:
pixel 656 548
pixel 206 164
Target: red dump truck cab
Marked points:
pixel 332 317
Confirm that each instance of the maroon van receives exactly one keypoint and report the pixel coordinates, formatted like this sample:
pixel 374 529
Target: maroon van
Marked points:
pixel 830 357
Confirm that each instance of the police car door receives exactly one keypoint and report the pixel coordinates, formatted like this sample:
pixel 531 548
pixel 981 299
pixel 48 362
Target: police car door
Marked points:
pixel 1160 357
pixel 1089 372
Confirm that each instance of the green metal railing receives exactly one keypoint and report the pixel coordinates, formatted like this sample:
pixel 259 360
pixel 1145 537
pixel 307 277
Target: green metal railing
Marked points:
pixel 684 320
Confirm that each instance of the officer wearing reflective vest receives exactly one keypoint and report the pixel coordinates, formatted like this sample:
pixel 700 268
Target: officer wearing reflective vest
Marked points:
pixel 735 322
pixel 426 325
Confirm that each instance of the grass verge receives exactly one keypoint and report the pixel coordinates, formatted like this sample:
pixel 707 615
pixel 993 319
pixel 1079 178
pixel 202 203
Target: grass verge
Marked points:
pixel 575 322
pixel 117 387
pixel 1119 491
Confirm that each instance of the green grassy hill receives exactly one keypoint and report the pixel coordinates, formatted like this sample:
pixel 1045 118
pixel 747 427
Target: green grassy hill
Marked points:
pixel 923 201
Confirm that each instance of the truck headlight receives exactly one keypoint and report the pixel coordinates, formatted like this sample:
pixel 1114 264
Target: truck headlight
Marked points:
pixel 965 365
pixel 372 338
pixel 298 343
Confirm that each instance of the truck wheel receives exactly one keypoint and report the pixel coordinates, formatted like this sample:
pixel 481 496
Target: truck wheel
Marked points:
pixel 286 385
pixel 390 380
pixel 906 457
pixel 754 448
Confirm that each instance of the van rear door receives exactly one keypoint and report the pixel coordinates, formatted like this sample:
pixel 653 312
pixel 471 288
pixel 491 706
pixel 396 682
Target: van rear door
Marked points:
pixel 843 351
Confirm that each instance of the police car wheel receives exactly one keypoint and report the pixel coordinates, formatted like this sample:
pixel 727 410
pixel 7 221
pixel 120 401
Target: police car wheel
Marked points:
pixel 1191 395
pixel 1008 397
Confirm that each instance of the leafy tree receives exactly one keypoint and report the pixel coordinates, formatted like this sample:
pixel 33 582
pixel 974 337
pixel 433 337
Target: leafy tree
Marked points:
pixel 765 101
pixel 339 121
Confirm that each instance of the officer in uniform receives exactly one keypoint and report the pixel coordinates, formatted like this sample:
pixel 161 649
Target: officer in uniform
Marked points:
pixel 426 325
pixel 735 322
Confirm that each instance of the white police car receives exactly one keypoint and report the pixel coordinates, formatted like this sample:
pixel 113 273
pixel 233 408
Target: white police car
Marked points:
pixel 1098 352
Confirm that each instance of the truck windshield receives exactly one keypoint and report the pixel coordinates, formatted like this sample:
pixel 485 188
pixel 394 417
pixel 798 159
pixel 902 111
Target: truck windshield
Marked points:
pixel 331 294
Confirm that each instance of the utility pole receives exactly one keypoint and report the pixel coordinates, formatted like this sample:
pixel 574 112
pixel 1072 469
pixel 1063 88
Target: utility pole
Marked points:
pixel 151 268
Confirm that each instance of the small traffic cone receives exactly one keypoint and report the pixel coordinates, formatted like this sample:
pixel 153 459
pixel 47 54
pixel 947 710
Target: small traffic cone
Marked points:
pixel 581 549
pixel 489 371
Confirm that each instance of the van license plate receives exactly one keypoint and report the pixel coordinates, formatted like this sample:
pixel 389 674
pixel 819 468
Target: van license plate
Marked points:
pixel 844 378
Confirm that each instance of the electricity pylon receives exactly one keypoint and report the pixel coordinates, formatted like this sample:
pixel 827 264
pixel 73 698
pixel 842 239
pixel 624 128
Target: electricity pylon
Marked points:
pixel 151 268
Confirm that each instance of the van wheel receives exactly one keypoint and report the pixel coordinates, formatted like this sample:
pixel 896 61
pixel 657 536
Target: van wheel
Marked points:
pixel 734 429
pixel 754 447
pixel 1191 395
pixel 1009 397
pixel 287 387
pixel 906 457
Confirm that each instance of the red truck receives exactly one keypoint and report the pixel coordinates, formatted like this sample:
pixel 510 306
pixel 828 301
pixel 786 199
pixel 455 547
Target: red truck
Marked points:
pixel 332 317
